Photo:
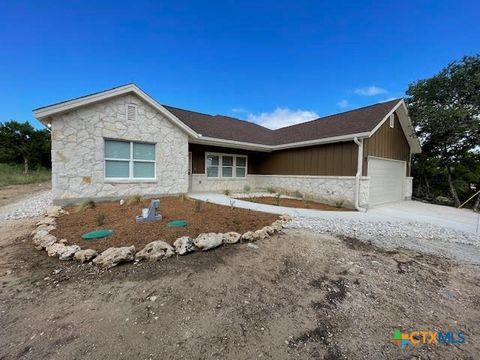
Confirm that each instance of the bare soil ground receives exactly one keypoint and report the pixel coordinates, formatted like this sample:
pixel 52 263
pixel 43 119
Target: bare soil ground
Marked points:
pixel 126 232
pixel 295 203
pixel 299 295
pixel 14 193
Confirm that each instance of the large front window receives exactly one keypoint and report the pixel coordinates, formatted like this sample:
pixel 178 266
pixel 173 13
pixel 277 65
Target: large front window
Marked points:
pixel 225 165
pixel 129 160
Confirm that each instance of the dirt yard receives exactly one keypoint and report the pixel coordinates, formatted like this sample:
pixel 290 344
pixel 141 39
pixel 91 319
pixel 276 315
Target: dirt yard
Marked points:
pixel 298 295
pixel 295 203
pixel 13 193
pixel 126 232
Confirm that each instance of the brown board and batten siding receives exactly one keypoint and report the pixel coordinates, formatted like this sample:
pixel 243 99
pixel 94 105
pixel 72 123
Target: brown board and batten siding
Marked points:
pixel 387 142
pixel 337 159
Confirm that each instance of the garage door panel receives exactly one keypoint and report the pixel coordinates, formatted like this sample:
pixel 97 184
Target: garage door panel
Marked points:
pixel 386 180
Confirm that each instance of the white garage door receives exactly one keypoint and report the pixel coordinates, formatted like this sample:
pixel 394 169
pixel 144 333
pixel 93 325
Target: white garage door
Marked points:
pixel 386 180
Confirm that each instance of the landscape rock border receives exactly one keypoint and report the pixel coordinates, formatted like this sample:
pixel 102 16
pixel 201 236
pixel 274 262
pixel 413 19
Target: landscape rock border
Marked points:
pixel 154 251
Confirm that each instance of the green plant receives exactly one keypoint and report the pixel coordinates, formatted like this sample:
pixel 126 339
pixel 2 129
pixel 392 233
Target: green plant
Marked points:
pixel 198 205
pixel 100 219
pixel 298 194
pixel 134 199
pixel 232 204
pixel 226 192
pixel 339 203
pixel 276 199
pixel 183 196
pixel 247 188
pixel 90 204
pixel 271 190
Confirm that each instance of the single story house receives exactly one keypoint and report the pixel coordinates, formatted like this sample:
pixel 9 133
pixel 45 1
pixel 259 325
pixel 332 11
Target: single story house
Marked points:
pixel 119 142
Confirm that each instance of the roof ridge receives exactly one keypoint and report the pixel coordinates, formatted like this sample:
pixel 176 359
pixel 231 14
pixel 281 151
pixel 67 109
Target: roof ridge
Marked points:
pixel 340 113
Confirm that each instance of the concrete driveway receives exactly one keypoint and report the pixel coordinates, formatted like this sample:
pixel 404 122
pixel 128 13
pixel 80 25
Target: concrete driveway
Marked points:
pixel 457 219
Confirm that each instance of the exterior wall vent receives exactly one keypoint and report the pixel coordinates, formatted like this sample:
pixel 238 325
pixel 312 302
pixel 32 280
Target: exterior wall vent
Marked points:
pixel 392 121
pixel 131 112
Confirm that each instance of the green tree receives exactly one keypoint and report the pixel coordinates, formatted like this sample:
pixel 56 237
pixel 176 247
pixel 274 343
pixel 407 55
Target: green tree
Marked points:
pixel 20 142
pixel 445 111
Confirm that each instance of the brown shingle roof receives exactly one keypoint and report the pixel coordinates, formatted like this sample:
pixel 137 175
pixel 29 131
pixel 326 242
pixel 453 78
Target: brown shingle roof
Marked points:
pixel 347 123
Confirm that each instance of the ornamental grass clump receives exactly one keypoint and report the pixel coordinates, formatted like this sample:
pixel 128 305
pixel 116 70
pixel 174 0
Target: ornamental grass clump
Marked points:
pixel 134 199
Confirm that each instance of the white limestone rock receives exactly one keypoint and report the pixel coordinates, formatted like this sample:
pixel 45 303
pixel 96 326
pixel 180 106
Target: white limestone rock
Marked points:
pixel 232 237
pixel 259 235
pixel 269 230
pixel 248 236
pixel 277 226
pixel 43 240
pixel 154 251
pixel 54 211
pixel 86 255
pixel 68 252
pixel 46 228
pixel 208 241
pixel 115 256
pixel 55 249
pixel 184 245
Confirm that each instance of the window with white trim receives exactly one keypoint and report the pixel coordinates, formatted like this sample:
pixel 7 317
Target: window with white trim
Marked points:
pixel 128 160
pixel 392 121
pixel 225 165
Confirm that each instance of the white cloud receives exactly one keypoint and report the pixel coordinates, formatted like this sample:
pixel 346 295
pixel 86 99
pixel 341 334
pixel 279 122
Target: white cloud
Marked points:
pixel 281 117
pixel 370 91
pixel 239 111
pixel 343 104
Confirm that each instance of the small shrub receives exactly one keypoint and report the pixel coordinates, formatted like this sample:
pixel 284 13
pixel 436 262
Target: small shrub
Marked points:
pixel 339 204
pixel 247 188
pixel 226 192
pixel 271 190
pixel 90 204
pixel 134 199
pixel 183 196
pixel 100 219
pixel 198 205
pixel 232 204
pixel 276 199
pixel 298 194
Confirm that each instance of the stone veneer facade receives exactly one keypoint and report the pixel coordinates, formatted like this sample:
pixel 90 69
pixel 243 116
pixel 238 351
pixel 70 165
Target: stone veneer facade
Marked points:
pixel 329 189
pixel 78 151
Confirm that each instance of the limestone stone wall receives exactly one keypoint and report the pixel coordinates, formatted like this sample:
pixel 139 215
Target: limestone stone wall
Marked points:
pixel 78 151
pixel 200 183
pixel 407 188
pixel 329 189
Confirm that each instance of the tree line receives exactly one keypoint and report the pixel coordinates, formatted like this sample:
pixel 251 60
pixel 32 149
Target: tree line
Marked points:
pixel 445 111
pixel 21 143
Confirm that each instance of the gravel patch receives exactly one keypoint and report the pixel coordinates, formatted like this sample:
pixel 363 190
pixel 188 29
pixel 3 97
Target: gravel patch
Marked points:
pixel 423 237
pixel 27 208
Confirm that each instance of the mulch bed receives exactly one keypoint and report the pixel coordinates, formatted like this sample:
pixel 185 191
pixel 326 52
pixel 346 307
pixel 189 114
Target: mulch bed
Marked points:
pixel 295 203
pixel 126 232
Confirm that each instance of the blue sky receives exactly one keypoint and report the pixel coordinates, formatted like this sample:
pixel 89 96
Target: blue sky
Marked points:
pixel 273 62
